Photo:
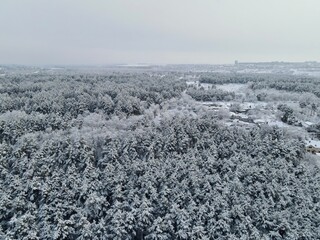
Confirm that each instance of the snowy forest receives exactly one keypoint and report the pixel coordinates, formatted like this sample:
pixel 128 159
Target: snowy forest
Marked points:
pixel 159 155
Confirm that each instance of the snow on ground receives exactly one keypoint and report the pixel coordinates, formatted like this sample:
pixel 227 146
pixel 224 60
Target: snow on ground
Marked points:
pixel 206 86
pixel 232 87
pixel 219 104
pixel 253 105
pixel 278 124
pixel 307 124
pixel 262 112
pixel 192 83
pixel 260 121
pixel 241 115
pixel 315 143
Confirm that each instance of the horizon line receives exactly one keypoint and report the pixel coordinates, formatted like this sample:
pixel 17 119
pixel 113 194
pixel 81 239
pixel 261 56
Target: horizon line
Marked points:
pixel 141 64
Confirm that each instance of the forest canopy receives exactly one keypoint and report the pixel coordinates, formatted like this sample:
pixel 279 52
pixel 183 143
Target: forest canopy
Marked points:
pixel 128 156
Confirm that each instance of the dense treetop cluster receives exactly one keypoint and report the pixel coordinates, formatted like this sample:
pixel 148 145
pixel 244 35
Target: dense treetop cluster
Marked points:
pixel 127 156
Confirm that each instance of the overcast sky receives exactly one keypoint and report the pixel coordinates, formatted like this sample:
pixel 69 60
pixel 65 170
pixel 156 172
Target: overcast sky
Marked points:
pixel 158 31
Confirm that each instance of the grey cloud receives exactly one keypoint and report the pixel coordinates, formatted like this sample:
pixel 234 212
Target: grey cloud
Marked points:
pixel 176 31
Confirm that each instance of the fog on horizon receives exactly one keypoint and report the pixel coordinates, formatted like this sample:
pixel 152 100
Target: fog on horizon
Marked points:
pixel 157 32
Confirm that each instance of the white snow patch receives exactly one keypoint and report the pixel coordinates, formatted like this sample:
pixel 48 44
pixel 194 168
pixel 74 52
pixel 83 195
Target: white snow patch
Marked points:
pixel 232 87
pixel 314 143
pixel 260 121
pixel 206 86
pixel 192 83
pixel 307 124
pixel 241 115
pixel 278 124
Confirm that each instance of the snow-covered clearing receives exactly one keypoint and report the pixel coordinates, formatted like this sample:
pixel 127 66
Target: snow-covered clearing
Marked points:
pixel 246 111
pixel 232 87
